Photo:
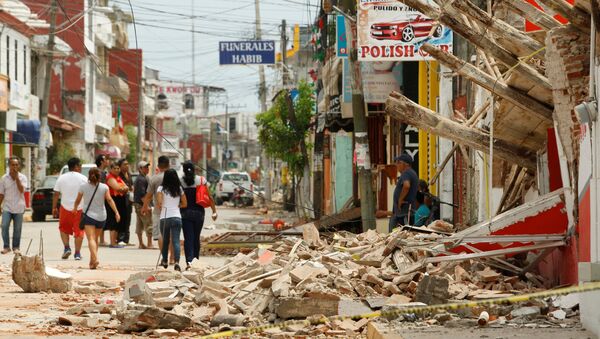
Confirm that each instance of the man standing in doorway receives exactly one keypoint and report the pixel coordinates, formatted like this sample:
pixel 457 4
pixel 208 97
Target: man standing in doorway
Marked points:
pixel 144 221
pixel 405 192
pixel 12 204
pixel 67 187
pixel 156 181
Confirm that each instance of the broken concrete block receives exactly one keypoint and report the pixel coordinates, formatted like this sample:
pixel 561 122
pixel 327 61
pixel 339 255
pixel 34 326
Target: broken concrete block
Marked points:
pixel 307 270
pixel 529 311
pixel 373 279
pixel 296 307
pixel 71 320
pixel 281 286
pixel 559 314
pixel 432 290
pixel 349 307
pixel 151 318
pixel 488 275
pixel 229 319
pixel 31 275
pixel 310 234
pixel 343 285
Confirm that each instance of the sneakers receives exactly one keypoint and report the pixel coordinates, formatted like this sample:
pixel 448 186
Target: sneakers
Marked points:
pixel 122 243
pixel 177 268
pixel 6 250
pixel 16 251
pixel 164 264
pixel 77 256
pixel 66 253
pixel 116 246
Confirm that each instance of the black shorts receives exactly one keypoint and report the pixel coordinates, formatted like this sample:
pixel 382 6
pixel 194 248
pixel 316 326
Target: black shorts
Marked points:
pixel 93 222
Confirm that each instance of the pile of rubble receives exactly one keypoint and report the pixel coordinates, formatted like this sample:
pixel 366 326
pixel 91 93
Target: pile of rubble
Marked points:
pixel 309 277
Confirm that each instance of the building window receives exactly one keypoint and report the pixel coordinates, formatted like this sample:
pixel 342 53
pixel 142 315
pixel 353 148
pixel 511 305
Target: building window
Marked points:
pixel 25 64
pixel 16 60
pixel 8 56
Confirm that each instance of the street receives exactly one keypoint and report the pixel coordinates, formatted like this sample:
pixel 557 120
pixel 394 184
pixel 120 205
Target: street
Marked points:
pixel 36 313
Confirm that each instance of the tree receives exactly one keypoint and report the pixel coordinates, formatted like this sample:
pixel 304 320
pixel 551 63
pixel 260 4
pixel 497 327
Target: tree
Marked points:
pixel 282 130
pixel 131 132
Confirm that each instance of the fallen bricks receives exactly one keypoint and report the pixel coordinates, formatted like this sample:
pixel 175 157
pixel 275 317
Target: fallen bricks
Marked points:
pixel 32 275
pixel 294 279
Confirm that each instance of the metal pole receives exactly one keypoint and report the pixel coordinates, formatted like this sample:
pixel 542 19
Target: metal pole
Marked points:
pixel 193 46
pixel 226 165
pixel 43 151
pixel 284 54
pixel 262 95
pixel 140 120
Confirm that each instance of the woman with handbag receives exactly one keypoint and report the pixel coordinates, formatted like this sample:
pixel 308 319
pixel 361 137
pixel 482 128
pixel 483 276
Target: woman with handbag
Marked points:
pixel 94 194
pixel 169 200
pixel 196 191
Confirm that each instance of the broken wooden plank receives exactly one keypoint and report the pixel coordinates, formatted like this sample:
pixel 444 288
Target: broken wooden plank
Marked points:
pixel 514 96
pixel 258 277
pixel 409 112
pixel 576 16
pixel 531 13
pixel 511 38
pixel 478 39
pixel 487 254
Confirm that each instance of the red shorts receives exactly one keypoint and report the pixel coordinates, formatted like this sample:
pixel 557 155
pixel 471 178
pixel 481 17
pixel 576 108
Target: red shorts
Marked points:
pixel 68 222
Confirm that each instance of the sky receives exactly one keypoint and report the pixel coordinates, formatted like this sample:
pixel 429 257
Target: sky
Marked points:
pixel 164 34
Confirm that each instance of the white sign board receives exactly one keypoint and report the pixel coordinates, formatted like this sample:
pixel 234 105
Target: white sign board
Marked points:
pixel 392 31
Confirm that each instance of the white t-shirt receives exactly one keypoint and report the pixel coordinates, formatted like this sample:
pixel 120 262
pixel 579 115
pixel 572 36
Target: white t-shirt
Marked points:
pixel 68 185
pixel 170 205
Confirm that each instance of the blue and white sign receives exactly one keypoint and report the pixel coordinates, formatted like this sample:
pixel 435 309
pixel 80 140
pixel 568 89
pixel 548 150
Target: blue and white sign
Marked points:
pixel 341 48
pixel 247 52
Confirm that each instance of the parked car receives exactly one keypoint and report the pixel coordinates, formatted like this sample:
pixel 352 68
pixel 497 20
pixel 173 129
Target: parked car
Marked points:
pixel 406 31
pixel 41 200
pixel 85 169
pixel 230 181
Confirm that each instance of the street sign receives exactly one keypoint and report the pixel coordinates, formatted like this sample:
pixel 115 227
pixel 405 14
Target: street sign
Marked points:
pixel 247 52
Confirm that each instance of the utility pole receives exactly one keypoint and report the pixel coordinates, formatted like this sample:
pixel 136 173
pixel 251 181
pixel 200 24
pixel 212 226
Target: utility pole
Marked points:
pixel 43 151
pixel 140 120
pixel 284 70
pixel 262 95
pixel 367 199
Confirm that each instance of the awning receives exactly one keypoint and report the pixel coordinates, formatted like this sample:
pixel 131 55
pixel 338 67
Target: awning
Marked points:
pixel 63 124
pixel 28 133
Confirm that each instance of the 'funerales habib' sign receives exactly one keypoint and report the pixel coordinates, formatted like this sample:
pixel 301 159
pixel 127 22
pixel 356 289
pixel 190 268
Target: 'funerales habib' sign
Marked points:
pixel 247 52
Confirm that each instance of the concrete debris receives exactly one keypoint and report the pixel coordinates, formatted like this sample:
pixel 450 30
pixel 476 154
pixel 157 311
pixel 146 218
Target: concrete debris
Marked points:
pixel 315 276
pixel 32 275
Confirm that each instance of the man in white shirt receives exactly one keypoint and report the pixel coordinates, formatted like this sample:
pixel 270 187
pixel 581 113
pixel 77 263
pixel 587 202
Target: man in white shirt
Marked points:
pixel 67 187
pixel 12 204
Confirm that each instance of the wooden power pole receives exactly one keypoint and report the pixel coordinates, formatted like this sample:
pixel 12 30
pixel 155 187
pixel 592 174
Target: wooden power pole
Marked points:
pixel 44 137
pixel 365 188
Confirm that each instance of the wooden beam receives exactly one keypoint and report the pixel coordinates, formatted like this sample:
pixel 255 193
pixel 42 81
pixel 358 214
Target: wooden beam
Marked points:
pixel 510 38
pixel 478 39
pixel 576 16
pixel 514 96
pixel 531 13
pixel 402 108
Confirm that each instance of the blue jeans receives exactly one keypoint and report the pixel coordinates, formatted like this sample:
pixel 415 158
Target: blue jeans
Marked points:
pixel 17 219
pixel 192 220
pixel 170 229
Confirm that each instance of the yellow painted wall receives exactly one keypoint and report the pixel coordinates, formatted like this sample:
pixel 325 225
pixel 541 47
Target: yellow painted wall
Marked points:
pixel 429 89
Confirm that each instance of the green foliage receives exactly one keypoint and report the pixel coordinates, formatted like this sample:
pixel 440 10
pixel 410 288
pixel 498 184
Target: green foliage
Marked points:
pixel 277 134
pixel 58 155
pixel 131 132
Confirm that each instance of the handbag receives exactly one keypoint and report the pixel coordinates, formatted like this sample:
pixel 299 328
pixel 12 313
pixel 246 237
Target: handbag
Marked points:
pixel 202 195
pixel 81 224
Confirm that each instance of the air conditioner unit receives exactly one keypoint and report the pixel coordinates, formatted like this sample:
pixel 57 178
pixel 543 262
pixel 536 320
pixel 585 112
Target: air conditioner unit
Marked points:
pixel 8 121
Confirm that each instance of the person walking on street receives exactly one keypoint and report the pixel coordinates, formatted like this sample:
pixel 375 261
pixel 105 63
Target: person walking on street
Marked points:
pixel 404 193
pixel 150 198
pixel 169 200
pixel 192 216
pixel 103 164
pixel 67 188
pixel 118 192
pixel 12 204
pixel 144 221
pixel 94 194
pixel 123 236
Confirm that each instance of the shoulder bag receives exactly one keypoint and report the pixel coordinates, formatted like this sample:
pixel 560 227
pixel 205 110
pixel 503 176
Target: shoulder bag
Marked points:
pixel 202 194
pixel 81 224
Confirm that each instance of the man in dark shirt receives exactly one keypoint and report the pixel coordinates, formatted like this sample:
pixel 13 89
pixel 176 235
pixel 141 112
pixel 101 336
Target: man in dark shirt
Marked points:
pixel 123 237
pixel 404 193
pixel 144 221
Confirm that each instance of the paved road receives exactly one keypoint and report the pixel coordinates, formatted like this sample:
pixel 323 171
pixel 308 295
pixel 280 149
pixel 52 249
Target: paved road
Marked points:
pixel 128 259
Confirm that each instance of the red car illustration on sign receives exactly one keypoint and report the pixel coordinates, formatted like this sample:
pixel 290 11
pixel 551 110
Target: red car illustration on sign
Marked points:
pixel 406 31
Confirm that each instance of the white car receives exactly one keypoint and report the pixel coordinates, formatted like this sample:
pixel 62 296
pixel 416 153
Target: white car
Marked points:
pixel 230 181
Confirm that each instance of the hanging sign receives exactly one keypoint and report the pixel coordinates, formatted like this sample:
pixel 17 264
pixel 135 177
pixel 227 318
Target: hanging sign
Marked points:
pixel 391 31
pixel 247 52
